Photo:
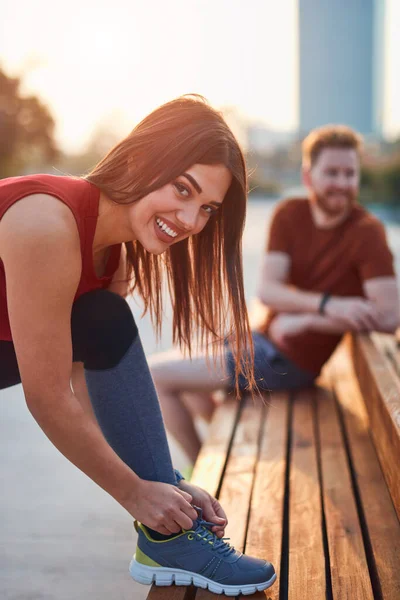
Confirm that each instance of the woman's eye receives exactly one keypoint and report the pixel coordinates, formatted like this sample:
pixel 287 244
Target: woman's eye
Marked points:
pixel 182 189
pixel 209 210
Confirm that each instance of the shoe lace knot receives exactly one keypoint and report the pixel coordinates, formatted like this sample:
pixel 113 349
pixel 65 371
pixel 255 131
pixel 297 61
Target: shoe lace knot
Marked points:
pixel 203 533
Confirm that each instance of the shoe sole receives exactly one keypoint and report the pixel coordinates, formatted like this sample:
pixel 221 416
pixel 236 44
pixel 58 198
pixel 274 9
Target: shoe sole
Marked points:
pixel 165 576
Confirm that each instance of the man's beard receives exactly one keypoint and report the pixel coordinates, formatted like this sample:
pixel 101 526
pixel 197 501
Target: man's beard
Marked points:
pixel 324 204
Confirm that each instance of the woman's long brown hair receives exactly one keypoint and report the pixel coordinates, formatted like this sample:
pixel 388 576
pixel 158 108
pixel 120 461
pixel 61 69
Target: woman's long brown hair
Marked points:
pixel 204 272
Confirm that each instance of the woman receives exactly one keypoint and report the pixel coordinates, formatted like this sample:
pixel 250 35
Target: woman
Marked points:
pixel 174 193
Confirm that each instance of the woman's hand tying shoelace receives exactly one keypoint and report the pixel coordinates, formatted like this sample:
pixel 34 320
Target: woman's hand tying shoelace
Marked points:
pixel 212 509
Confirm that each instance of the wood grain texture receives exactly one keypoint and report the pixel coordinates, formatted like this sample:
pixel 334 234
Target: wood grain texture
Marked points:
pixel 380 387
pixel 388 346
pixel 210 463
pixel 315 426
pixel 171 593
pixel 348 563
pixel 207 473
pixel 384 533
pixel 239 474
pixel 306 553
pixel 264 535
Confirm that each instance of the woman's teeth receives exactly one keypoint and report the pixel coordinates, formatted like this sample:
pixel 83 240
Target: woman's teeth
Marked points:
pixel 166 229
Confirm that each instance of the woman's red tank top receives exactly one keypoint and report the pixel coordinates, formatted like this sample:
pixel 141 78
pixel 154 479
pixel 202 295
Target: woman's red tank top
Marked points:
pixel 82 198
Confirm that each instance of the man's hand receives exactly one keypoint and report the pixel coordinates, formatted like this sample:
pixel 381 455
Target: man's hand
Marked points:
pixel 286 325
pixel 355 313
pixel 212 510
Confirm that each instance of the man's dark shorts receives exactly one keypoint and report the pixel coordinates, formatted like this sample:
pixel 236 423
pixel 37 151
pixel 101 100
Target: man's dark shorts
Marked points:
pixel 272 369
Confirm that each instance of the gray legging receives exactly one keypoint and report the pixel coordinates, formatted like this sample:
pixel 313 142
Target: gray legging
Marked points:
pixel 105 338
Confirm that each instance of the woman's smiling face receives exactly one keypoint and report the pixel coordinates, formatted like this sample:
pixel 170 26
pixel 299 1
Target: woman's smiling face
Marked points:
pixel 179 209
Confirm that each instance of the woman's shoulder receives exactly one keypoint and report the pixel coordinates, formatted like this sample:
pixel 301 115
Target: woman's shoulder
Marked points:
pixel 38 215
pixel 44 197
pixel 14 188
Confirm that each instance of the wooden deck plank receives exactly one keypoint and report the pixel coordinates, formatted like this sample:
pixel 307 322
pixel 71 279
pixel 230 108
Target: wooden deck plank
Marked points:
pixel 348 563
pixel 384 533
pixel 211 461
pixel 388 345
pixel 264 535
pixel 207 474
pixel 265 466
pixel 239 474
pixel 380 387
pixel 171 593
pixel 306 552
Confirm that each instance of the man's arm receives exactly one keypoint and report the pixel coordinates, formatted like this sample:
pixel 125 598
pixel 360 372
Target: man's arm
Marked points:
pixel 276 294
pixel 354 313
pixel 273 290
pixel 382 294
pixel 374 263
pixel 382 298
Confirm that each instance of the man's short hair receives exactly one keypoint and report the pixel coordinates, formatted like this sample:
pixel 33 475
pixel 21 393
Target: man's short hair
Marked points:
pixel 329 136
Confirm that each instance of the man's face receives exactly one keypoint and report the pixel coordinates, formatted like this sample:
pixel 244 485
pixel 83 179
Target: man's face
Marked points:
pixel 333 180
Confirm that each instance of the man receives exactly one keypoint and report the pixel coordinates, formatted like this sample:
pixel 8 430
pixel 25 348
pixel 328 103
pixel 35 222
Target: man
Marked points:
pixel 327 270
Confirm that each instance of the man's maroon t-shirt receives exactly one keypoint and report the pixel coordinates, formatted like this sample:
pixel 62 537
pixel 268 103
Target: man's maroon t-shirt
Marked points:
pixel 337 261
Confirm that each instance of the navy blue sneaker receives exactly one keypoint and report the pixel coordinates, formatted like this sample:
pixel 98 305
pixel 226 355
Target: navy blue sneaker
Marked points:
pixel 197 556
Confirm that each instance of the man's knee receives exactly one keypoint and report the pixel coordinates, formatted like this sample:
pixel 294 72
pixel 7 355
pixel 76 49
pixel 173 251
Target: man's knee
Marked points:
pixel 103 328
pixel 158 375
pixel 161 365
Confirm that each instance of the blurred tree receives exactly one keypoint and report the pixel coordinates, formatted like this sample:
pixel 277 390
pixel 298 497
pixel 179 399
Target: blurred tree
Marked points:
pixel 380 183
pixel 26 129
pixel 392 180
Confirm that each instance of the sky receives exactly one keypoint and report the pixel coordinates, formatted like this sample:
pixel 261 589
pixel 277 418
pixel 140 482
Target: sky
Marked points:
pixel 112 62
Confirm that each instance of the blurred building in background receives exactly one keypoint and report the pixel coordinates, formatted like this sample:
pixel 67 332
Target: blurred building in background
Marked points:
pixel 341 64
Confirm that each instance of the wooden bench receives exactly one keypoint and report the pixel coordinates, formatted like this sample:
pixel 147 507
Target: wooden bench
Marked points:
pixel 311 480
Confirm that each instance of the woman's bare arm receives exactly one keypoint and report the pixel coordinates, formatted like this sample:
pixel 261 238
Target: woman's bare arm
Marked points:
pixel 40 249
pixel 41 254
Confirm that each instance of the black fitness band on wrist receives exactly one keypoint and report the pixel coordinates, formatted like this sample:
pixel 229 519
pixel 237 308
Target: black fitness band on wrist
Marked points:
pixel 323 302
